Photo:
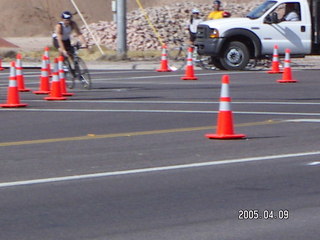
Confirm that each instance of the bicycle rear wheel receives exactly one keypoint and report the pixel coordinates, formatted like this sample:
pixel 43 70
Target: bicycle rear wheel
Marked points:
pixel 177 57
pixel 69 74
pixel 84 75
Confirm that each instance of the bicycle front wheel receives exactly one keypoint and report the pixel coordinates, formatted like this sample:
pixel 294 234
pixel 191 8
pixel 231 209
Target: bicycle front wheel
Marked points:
pixel 68 74
pixel 177 57
pixel 84 75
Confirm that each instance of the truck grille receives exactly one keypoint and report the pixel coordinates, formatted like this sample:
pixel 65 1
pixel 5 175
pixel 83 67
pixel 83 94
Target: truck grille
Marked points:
pixel 202 31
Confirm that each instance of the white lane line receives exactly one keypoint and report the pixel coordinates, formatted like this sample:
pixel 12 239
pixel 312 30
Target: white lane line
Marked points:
pixel 154 111
pixel 132 102
pixel 313 164
pixel 104 110
pixel 155 169
pixel 304 120
pixel 151 77
pixel 92 72
pixel 124 78
pixel 174 74
pixel 33 74
pixel 97 72
pixel 178 102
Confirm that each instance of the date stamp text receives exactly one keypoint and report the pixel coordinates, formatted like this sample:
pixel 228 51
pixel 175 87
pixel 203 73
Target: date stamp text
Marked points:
pixel 255 214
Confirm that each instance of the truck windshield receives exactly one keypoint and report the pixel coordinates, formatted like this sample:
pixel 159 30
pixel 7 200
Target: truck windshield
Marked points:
pixel 260 10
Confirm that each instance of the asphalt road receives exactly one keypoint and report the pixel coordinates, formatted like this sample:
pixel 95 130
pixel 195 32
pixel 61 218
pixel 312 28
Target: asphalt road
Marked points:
pixel 129 160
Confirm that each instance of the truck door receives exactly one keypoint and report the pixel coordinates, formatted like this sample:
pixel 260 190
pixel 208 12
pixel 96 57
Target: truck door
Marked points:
pixel 291 30
pixel 315 9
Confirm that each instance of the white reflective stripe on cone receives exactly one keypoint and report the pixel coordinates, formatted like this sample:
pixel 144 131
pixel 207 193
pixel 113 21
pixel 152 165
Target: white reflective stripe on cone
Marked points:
pixel 224 106
pixel 189 62
pixel 225 90
pixel 55 77
pixel 44 72
pixel 12 83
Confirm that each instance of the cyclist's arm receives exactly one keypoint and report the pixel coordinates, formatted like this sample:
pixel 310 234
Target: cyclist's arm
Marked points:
pixel 79 34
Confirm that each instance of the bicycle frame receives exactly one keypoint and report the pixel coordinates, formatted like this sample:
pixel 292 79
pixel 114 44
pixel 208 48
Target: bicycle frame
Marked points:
pixel 77 69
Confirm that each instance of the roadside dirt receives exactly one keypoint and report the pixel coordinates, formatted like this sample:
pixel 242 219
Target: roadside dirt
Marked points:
pixel 7 44
pixel 26 43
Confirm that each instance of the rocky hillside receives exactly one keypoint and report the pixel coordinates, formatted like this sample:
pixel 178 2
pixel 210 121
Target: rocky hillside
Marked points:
pixel 28 18
pixel 36 18
pixel 170 22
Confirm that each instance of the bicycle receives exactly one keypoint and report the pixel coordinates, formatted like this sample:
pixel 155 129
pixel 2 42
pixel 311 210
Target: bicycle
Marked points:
pixel 76 69
pixel 178 55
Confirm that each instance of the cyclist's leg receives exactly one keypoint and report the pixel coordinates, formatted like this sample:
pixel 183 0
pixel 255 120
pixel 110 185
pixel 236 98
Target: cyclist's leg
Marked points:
pixel 67 66
pixel 69 49
pixel 69 63
pixel 55 43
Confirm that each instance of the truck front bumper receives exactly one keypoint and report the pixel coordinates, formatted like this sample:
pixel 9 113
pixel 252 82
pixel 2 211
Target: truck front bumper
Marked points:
pixel 209 46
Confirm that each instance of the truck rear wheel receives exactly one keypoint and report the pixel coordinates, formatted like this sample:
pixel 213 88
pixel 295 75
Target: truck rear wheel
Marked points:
pixel 235 56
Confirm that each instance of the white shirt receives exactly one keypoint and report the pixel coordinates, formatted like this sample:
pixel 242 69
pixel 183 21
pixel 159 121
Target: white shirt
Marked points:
pixel 66 31
pixel 194 25
pixel 292 16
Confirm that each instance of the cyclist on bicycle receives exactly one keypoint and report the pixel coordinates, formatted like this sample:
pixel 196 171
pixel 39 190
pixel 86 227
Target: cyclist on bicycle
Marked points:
pixel 63 30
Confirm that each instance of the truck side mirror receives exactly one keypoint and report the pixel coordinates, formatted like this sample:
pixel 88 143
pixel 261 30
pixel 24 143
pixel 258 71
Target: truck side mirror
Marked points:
pixel 271 18
pixel 274 17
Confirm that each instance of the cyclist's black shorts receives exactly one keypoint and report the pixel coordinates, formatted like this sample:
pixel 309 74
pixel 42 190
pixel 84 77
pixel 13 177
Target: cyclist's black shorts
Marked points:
pixel 192 36
pixel 66 43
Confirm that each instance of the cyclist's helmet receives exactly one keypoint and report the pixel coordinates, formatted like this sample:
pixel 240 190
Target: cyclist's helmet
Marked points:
pixel 66 15
pixel 217 2
pixel 195 11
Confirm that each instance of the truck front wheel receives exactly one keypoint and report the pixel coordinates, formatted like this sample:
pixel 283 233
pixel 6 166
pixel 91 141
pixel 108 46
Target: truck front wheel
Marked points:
pixel 235 56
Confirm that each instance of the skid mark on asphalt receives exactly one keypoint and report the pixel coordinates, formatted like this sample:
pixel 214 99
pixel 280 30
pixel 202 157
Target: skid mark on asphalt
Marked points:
pixel 128 134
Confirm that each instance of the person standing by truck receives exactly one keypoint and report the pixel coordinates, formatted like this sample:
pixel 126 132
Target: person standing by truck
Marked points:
pixel 217 11
pixel 195 20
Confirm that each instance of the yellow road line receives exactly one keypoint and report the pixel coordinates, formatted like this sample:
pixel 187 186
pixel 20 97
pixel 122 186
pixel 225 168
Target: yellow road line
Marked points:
pixel 128 134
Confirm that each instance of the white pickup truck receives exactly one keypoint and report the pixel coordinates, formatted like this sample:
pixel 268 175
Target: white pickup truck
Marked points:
pixel 233 42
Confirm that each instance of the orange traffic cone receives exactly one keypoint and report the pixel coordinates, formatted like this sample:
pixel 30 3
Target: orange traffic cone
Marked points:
pixel 44 78
pixel 55 93
pixel 20 77
pixel 287 73
pixel 46 53
pixel 189 75
pixel 13 99
pixel 225 120
pixel 164 61
pixel 1 68
pixel 275 61
pixel 62 78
